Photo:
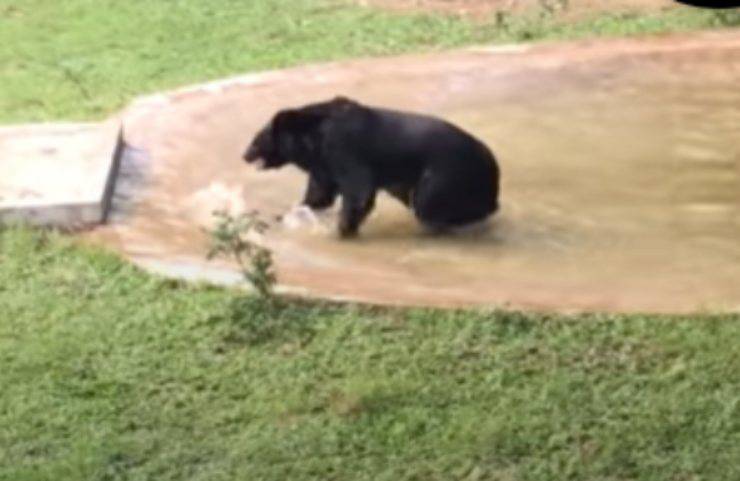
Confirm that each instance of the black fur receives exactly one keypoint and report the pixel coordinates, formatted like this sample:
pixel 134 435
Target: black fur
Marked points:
pixel 448 177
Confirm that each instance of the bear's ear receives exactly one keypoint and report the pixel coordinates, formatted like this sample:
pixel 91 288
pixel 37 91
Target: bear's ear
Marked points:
pixel 296 121
pixel 342 104
pixel 342 100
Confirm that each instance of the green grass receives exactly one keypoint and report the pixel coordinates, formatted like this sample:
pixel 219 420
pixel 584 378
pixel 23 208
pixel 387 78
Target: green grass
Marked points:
pixel 83 59
pixel 107 373
pixel 112 374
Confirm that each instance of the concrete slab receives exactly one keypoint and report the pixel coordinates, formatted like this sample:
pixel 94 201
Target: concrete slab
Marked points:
pixel 58 174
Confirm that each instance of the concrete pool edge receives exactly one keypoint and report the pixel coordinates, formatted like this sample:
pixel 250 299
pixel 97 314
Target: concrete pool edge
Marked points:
pixel 191 270
pixel 87 155
pixel 536 58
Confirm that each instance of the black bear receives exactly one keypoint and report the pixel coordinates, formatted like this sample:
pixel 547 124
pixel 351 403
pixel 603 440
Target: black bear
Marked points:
pixel 448 177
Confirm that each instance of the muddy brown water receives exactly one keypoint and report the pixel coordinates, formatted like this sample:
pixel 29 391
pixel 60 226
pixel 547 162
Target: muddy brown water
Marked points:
pixel 621 178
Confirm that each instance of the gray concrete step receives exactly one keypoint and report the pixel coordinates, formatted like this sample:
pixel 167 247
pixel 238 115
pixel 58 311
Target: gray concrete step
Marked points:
pixel 58 174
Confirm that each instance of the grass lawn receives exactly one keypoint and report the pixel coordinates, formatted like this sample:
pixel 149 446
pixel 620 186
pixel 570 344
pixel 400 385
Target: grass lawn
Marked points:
pixel 107 373
pixel 81 59
pixel 111 374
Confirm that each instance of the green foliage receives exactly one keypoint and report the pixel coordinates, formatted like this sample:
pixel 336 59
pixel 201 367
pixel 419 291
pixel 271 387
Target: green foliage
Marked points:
pixel 112 374
pixel 544 23
pixel 253 321
pixel 82 59
pixel 250 320
pixel 726 18
pixel 230 238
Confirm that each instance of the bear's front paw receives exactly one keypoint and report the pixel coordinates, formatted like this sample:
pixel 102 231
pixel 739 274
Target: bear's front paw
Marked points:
pixel 300 217
pixel 347 232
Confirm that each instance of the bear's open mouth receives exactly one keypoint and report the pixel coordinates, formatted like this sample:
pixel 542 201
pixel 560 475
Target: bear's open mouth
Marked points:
pixel 259 163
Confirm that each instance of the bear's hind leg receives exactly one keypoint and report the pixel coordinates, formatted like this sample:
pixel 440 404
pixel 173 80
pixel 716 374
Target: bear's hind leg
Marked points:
pixel 443 202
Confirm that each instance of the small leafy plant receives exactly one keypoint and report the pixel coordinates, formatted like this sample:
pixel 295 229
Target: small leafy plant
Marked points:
pixel 231 239
pixel 260 319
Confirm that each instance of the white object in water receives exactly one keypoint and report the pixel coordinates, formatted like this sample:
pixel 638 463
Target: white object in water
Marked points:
pixel 303 217
pixel 215 196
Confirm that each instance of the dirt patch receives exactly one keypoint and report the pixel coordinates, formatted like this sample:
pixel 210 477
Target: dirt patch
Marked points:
pixel 566 9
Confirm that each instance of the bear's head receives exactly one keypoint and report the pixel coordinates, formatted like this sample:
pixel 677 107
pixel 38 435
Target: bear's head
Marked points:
pixel 263 151
pixel 293 135
pixel 290 137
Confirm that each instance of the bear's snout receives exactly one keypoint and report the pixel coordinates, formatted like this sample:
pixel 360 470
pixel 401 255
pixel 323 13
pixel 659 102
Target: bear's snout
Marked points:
pixel 254 157
pixel 251 154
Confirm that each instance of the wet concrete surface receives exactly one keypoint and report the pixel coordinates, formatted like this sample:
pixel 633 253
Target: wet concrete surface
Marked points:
pixel 620 161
